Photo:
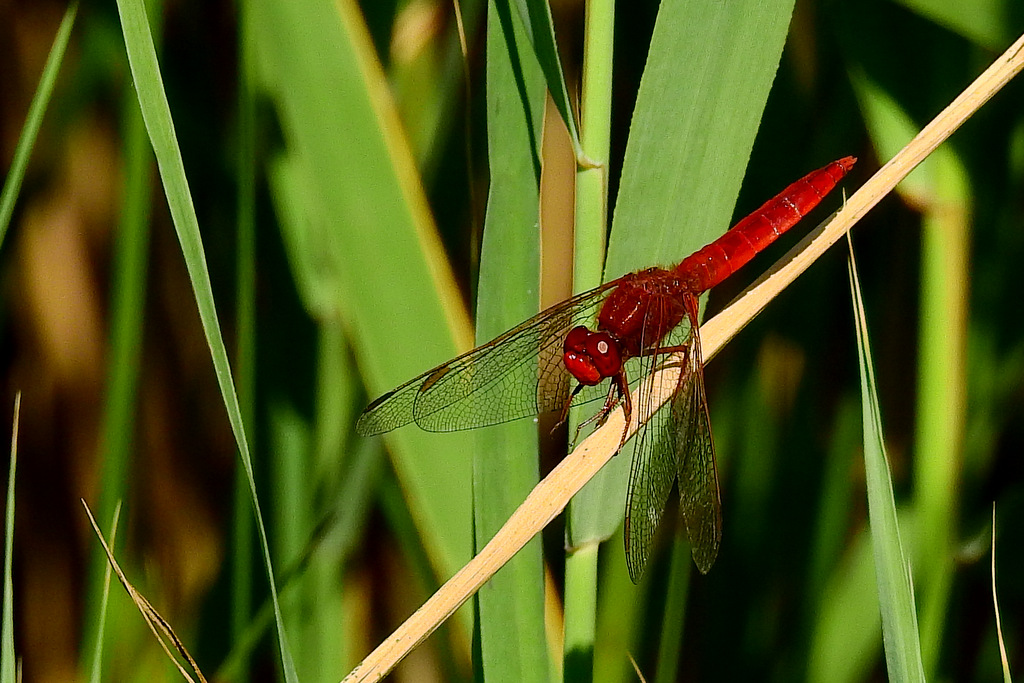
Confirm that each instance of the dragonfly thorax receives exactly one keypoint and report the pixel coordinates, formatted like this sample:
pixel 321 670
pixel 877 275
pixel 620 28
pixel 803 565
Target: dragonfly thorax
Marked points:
pixel 643 309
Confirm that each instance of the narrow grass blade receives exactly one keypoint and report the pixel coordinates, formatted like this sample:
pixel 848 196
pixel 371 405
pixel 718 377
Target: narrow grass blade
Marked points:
pixel 8 660
pixel 591 219
pixel 129 278
pixel 36 110
pixel 589 241
pixel 621 618
pixel 939 189
pixel 581 577
pixel 673 615
pixel 242 575
pixel 895 591
pixel 844 644
pixel 505 461
pixel 536 16
pixel 983 21
pixel 157 115
pixel 96 673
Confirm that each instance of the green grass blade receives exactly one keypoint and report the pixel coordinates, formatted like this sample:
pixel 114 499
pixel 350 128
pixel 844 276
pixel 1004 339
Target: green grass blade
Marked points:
pixel 505 465
pixel 8 660
pixel 939 188
pixel 241 568
pixel 895 591
pixel 591 219
pixel 536 15
pixel 671 640
pixel 96 670
pixel 589 239
pixel 12 185
pixel 620 618
pixel 581 577
pixel 845 637
pixel 157 115
pixel 708 74
pixel 983 21
pixel 129 278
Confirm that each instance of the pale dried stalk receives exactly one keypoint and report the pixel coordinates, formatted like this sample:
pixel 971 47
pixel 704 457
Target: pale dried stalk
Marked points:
pixel 552 494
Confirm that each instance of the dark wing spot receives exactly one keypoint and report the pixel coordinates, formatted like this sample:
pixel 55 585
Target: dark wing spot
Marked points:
pixel 435 377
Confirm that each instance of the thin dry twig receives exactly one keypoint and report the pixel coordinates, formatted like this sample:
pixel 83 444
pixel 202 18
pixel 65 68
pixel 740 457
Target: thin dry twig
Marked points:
pixel 157 624
pixel 995 604
pixel 551 495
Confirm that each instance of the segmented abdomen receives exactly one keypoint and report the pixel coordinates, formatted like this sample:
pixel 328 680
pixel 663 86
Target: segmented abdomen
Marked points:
pixel 707 267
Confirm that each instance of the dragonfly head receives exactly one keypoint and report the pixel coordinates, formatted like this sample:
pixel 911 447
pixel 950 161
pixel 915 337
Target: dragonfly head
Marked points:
pixel 591 356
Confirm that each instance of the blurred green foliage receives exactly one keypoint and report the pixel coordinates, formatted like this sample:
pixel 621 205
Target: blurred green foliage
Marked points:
pixel 364 171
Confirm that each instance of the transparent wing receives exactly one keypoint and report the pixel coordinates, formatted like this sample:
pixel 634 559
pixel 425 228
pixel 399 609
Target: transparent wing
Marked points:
pixel 699 499
pixel 654 465
pixel 515 375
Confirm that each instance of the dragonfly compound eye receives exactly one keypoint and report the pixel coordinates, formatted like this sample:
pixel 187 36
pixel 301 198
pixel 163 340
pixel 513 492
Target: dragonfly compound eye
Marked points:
pixel 604 351
pixel 585 355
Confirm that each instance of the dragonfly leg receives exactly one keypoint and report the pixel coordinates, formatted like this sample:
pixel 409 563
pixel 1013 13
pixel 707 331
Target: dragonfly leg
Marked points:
pixel 627 405
pixel 565 410
pixel 668 351
pixel 600 416
pixel 618 393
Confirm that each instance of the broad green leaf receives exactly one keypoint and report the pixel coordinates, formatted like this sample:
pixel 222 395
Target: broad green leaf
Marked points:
pixel 709 70
pixel 369 239
pixel 505 467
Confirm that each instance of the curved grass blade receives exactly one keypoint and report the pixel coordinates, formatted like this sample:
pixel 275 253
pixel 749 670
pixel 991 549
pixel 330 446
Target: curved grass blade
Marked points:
pixel 995 606
pixel 536 16
pixel 160 627
pixel 127 318
pixel 157 115
pixel 36 110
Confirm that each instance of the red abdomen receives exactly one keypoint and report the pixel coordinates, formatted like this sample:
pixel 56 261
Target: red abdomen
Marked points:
pixel 707 267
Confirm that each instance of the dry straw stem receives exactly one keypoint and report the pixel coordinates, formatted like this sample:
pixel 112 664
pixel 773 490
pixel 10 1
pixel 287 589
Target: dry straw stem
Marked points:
pixel 157 624
pixel 552 494
pixel 995 604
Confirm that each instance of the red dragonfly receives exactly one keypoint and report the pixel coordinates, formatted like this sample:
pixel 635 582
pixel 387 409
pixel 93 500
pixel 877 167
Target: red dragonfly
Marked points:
pixel 554 360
